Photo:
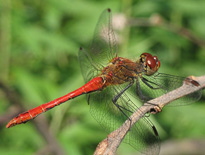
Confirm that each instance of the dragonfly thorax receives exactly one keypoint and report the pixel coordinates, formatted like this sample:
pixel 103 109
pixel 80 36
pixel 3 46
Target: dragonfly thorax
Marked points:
pixel 121 70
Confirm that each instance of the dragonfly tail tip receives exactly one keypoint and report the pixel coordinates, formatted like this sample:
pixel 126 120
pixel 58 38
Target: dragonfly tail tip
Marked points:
pixel 11 124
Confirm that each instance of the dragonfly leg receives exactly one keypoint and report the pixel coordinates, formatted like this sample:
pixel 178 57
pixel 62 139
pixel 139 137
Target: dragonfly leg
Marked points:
pixel 114 100
pixel 139 92
pixel 147 83
pixel 156 109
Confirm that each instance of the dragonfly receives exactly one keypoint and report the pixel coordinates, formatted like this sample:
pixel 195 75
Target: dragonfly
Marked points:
pixel 112 85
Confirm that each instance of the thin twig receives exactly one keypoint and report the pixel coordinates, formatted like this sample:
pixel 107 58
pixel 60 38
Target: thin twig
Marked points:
pixel 109 145
pixel 157 20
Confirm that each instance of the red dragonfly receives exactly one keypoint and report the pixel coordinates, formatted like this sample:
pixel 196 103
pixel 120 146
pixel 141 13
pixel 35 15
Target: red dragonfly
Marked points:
pixel 110 87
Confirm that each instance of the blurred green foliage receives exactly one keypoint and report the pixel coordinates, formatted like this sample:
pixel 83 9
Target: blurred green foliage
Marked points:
pixel 39 42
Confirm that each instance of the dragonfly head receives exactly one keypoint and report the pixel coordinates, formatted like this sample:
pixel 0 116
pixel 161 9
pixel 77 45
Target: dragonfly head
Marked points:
pixel 150 63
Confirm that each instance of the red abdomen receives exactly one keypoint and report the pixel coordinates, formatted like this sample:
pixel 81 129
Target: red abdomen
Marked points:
pixel 93 85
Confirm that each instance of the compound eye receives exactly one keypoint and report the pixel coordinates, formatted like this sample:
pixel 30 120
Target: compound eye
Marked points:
pixel 146 55
pixel 151 62
pixel 157 61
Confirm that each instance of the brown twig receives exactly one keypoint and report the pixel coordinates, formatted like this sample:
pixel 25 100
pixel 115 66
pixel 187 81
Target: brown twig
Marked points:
pixel 14 100
pixel 109 145
pixel 157 20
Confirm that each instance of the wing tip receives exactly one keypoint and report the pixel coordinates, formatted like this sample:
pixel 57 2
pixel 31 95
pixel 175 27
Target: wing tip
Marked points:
pixel 155 131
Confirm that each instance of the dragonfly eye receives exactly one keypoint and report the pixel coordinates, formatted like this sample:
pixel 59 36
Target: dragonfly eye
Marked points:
pixel 157 61
pixel 151 63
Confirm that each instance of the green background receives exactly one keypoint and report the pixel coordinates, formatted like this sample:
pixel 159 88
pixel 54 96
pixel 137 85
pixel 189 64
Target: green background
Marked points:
pixel 39 42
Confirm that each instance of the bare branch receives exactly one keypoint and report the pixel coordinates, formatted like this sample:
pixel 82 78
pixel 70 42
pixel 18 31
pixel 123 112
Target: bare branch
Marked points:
pixel 109 145
pixel 157 20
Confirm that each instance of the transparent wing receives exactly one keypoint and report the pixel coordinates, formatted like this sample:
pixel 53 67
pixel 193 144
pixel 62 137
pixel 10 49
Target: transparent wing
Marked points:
pixel 88 69
pixel 141 136
pixel 164 83
pixel 104 46
pixel 102 50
